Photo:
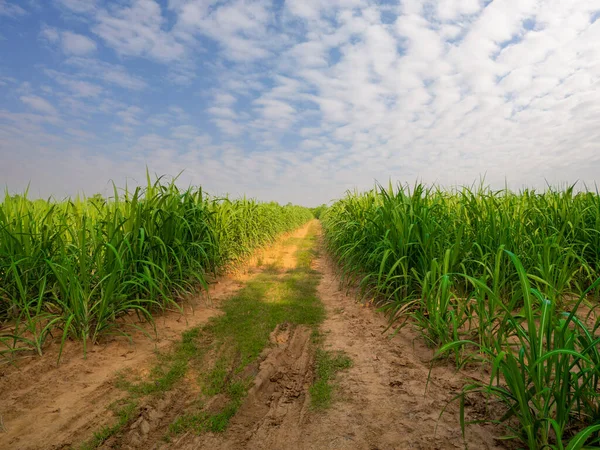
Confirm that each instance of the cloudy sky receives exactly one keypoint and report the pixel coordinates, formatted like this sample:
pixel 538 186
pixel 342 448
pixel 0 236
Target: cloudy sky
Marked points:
pixel 298 100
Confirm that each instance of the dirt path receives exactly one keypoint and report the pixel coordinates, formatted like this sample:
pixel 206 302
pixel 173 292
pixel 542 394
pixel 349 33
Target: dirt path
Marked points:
pixel 380 402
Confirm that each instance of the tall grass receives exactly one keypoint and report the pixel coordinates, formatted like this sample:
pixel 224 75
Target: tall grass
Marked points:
pixel 492 276
pixel 73 267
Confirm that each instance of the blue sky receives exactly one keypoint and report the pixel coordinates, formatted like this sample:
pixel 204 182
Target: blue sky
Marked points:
pixel 297 100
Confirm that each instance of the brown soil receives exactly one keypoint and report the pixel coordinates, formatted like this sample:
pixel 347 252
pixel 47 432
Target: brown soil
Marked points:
pixel 380 403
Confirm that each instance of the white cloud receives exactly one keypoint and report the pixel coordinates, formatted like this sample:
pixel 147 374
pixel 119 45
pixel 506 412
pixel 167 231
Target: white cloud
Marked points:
pixel 76 86
pixel 79 6
pixel 10 9
pixel 70 43
pixel 229 127
pixel 77 44
pixel 129 120
pixel 192 135
pixel 222 111
pixel 50 34
pixel 110 73
pixel 130 115
pixel 80 134
pixel 39 104
pixel 239 26
pixel 138 30
pixel 173 115
pixel 224 99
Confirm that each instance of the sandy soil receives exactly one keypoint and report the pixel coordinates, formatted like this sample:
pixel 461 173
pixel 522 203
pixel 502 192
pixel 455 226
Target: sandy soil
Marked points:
pixel 381 402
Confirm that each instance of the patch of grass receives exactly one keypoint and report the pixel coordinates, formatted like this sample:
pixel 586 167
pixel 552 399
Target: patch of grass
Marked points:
pixel 124 410
pixel 327 365
pixel 204 421
pixel 215 421
pixel 307 251
pixel 317 337
pixel 171 367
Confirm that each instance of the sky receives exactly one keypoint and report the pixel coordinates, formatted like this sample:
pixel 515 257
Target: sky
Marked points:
pixel 297 100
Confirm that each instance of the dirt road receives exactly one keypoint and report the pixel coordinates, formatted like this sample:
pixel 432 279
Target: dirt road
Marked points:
pixel 379 403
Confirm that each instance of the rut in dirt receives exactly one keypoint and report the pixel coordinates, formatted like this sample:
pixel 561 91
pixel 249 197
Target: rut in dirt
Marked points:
pixel 278 402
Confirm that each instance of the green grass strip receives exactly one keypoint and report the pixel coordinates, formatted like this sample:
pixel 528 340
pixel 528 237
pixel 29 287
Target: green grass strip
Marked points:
pixel 327 365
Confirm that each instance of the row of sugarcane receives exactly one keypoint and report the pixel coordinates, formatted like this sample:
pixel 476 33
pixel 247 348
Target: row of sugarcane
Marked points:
pixel 504 279
pixel 69 269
